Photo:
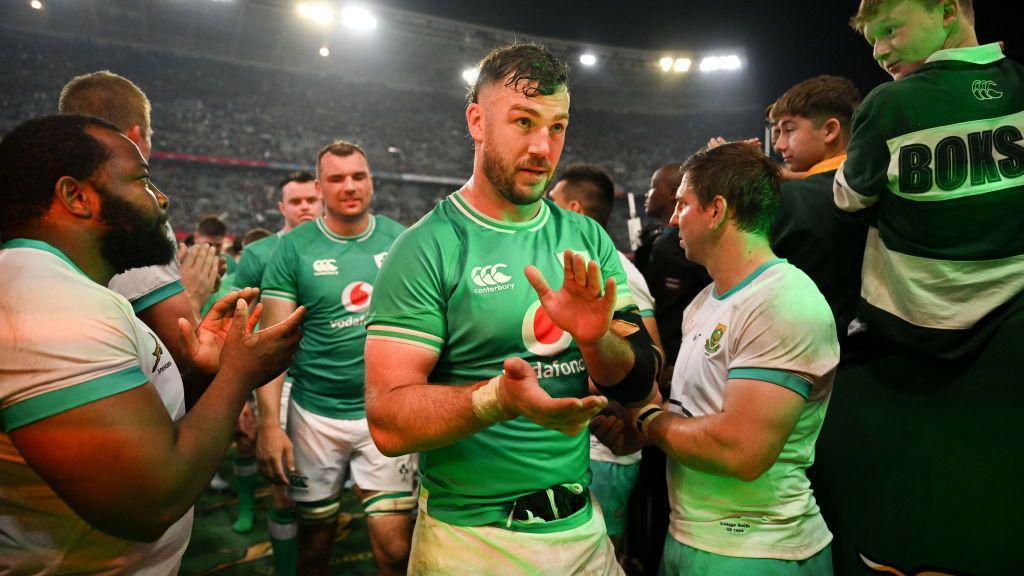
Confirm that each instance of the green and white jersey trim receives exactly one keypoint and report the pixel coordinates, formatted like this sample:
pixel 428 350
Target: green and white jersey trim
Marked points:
pixel 918 289
pixel 984 54
pixel 482 219
pixel 405 336
pixel 322 225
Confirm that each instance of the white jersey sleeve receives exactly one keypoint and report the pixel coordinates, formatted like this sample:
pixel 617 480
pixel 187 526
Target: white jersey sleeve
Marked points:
pixel 66 342
pixel 144 287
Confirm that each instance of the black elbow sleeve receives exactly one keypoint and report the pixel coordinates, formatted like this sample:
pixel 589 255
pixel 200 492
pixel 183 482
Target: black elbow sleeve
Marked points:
pixel 647 362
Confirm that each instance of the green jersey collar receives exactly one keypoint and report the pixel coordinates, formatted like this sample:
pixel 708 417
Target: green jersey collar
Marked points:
pixel 984 54
pixel 753 275
pixel 40 245
pixel 481 219
pixel 339 238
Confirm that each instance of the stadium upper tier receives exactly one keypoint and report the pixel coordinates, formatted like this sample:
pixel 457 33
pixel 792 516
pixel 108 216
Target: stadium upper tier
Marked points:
pixel 281 103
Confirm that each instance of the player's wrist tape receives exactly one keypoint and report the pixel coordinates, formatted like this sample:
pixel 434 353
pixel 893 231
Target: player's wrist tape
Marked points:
pixel 487 403
pixel 646 415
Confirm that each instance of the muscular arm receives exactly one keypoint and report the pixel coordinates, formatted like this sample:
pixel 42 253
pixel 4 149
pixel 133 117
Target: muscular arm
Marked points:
pixel 407 414
pixel 743 441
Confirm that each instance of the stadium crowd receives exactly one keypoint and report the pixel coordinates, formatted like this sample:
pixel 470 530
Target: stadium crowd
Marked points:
pixel 441 353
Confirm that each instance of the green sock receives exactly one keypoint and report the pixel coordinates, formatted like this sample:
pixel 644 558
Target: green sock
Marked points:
pixel 283 539
pixel 245 486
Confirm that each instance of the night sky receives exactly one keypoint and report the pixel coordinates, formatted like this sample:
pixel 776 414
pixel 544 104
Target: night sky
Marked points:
pixel 786 40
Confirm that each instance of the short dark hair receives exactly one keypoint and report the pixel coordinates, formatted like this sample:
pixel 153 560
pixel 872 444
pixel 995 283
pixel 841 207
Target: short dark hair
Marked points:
pixel 341 148
pixel 591 187
pixel 523 66
pixel 819 99
pixel 300 176
pixel 211 226
pixel 747 179
pixel 254 235
pixel 39 152
pixel 869 8
pixel 114 98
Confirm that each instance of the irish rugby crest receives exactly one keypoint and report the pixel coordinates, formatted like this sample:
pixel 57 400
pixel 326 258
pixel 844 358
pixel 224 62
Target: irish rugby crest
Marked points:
pixel 712 344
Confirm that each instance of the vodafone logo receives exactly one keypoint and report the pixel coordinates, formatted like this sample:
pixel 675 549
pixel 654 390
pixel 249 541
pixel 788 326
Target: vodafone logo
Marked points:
pixel 541 335
pixel 356 297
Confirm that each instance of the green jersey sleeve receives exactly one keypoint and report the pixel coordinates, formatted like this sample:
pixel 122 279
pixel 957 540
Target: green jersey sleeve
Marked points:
pixel 279 278
pixel 250 270
pixel 410 300
pixel 864 174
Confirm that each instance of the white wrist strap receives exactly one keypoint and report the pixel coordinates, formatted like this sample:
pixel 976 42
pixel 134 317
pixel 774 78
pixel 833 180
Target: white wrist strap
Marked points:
pixel 487 404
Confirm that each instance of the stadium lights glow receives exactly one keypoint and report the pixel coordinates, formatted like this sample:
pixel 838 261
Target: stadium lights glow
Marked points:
pixel 470 75
pixel 358 18
pixel 682 65
pixel 588 59
pixel 324 51
pixel 319 12
pixel 714 63
pixel 36 5
pixel 666 63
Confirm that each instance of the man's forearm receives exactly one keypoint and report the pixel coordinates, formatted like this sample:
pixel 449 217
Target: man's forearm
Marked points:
pixel 608 360
pixel 419 417
pixel 268 399
pixel 696 443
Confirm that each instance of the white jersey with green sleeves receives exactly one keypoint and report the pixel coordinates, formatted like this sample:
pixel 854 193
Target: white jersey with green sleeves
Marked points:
pixel 454 284
pixel 333 277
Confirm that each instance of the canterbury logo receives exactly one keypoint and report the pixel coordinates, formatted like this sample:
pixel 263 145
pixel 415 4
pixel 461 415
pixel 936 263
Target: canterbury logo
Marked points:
pixel 489 275
pixel 985 90
pixel 325 267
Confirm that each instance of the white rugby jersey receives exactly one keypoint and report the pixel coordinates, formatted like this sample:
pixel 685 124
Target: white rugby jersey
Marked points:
pixel 66 342
pixel 775 327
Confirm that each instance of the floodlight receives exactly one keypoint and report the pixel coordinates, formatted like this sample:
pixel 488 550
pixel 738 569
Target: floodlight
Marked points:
pixel 358 18
pixel 681 65
pixel 470 75
pixel 36 5
pixel 731 62
pixel 588 59
pixel 666 63
pixel 710 64
pixel 319 12
pixel 324 51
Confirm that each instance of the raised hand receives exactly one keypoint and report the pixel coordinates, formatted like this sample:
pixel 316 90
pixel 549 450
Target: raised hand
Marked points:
pixel 203 345
pixel 578 307
pixel 258 357
pixel 521 394
pixel 200 272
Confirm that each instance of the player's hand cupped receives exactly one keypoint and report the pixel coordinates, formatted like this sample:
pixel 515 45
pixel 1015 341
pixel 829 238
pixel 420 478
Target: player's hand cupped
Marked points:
pixel 203 345
pixel 256 358
pixel 522 394
pixel 583 306
pixel 274 455
pixel 200 273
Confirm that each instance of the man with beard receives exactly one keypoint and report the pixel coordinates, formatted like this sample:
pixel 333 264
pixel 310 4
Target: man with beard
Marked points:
pixel 488 377
pixel 330 265
pixel 159 294
pixel 100 466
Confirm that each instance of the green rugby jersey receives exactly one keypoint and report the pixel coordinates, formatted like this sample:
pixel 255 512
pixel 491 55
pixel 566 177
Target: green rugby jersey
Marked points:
pixel 454 284
pixel 254 262
pixel 936 160
pixel 333 277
